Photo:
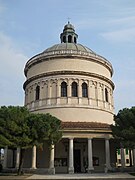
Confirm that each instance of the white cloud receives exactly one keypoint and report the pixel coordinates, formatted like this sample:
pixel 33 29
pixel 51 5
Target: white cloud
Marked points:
pixel 12 61
pixel 126 21
pixel 116 26
pixel 124 35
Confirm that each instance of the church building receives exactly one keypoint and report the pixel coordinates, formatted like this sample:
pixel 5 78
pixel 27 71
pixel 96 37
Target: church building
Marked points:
pixel 73 83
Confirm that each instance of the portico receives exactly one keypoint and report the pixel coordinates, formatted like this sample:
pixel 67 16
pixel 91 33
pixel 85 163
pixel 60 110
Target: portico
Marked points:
pixel 79 151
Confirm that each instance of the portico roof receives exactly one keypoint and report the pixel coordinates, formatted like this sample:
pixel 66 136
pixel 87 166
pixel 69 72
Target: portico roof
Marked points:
pixel 85 125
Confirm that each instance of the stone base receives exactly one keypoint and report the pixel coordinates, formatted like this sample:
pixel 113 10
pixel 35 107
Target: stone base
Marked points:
pixel 71 170
pixel 51 171
pixel 90 170
pixel 108 169
pixel 33 168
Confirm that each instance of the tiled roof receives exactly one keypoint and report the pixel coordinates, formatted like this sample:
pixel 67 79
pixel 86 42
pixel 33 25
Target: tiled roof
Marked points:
pixel 84 125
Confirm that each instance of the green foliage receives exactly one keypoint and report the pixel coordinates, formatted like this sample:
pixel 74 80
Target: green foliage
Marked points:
pixel 13 126
pixel 54 129
pixel 20 128
pixel 44 127
pixel 124 128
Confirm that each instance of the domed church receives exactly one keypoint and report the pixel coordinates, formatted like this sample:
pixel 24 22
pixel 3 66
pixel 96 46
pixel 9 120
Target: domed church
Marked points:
pixel 73 83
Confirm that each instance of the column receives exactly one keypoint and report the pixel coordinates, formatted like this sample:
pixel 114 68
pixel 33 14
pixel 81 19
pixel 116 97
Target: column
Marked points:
pixel 5 157
pixel 107 155
pixel 32 96
pixel 51 165
pixel 69 91
pixel 71 157
pixel 31 99
pixel 79 92
pixel 26 97
pixel 49 93
pixel 66 38
pixel 90 160
pixel 17 158
pixel 58 92
pixel 112 101
pixel 33 164
pixel 133 157
pixel 42 93
pixel 109 98
pixel 103 96
pixel 96 93
pixel 89 93
pixel 122 158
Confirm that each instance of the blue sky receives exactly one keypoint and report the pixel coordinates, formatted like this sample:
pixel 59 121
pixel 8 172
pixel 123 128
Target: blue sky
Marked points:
pixel 28 27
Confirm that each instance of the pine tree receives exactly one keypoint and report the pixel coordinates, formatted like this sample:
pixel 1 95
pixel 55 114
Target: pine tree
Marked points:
pixel 20 128
pixel 124 128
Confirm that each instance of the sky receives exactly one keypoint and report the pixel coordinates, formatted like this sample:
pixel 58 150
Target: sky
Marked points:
pixel 28 27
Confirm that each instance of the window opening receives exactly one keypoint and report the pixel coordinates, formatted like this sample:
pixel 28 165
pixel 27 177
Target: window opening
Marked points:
pixel 84 90
pixel 69 38
pixel 63 89
pixel 37 92
pixel 74 89
pixel 64 39
pixel 74 39
pixel 106 95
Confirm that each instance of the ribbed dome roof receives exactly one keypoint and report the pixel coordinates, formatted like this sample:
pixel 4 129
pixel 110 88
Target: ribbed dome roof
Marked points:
pixel 69 46
pixel 69 27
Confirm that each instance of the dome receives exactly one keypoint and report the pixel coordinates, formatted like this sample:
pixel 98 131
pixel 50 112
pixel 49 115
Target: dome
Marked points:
pixel 68 27
pixel 71 49
pixel 69 46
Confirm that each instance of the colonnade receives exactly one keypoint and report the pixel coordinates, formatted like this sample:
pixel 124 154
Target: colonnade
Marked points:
pixel 51 89
pixel 90 167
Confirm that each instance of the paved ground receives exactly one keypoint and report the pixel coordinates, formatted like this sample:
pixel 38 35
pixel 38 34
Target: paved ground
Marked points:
pixel 114 176
pixel 109 176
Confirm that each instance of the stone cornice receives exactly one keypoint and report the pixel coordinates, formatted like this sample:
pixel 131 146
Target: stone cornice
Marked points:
pixel 68 54
pixel 85 131
pixel 70 106
pixel 54 73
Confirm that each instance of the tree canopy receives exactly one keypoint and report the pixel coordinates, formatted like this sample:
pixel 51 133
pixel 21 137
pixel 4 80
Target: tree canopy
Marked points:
pixel 124 128
pixel 20 128
pixel 44 127
pixel 14 131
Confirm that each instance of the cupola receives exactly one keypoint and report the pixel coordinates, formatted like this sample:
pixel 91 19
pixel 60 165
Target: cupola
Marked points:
pixel 68 35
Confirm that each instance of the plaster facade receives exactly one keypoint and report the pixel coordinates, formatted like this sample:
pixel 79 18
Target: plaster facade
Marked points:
pixel 73 83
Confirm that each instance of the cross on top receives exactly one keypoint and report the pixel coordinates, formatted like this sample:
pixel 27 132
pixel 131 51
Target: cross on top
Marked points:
pixel 68 20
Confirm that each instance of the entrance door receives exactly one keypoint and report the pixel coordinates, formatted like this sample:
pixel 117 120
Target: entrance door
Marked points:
pixel 77 160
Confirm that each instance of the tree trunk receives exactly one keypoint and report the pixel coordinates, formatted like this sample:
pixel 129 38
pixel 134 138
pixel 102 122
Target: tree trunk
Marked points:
pixel 22 153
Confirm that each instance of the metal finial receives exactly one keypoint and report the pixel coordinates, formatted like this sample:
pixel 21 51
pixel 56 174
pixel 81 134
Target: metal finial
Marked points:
pixel 69 20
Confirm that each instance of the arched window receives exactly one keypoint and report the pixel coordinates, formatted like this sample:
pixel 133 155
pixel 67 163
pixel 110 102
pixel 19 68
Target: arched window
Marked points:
pixel 63 89
pixel 74 39
pixel 69 38
pixel 37 92
pixel 74 89
pixel 64 39
pixel 106 95
pixel 84 90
